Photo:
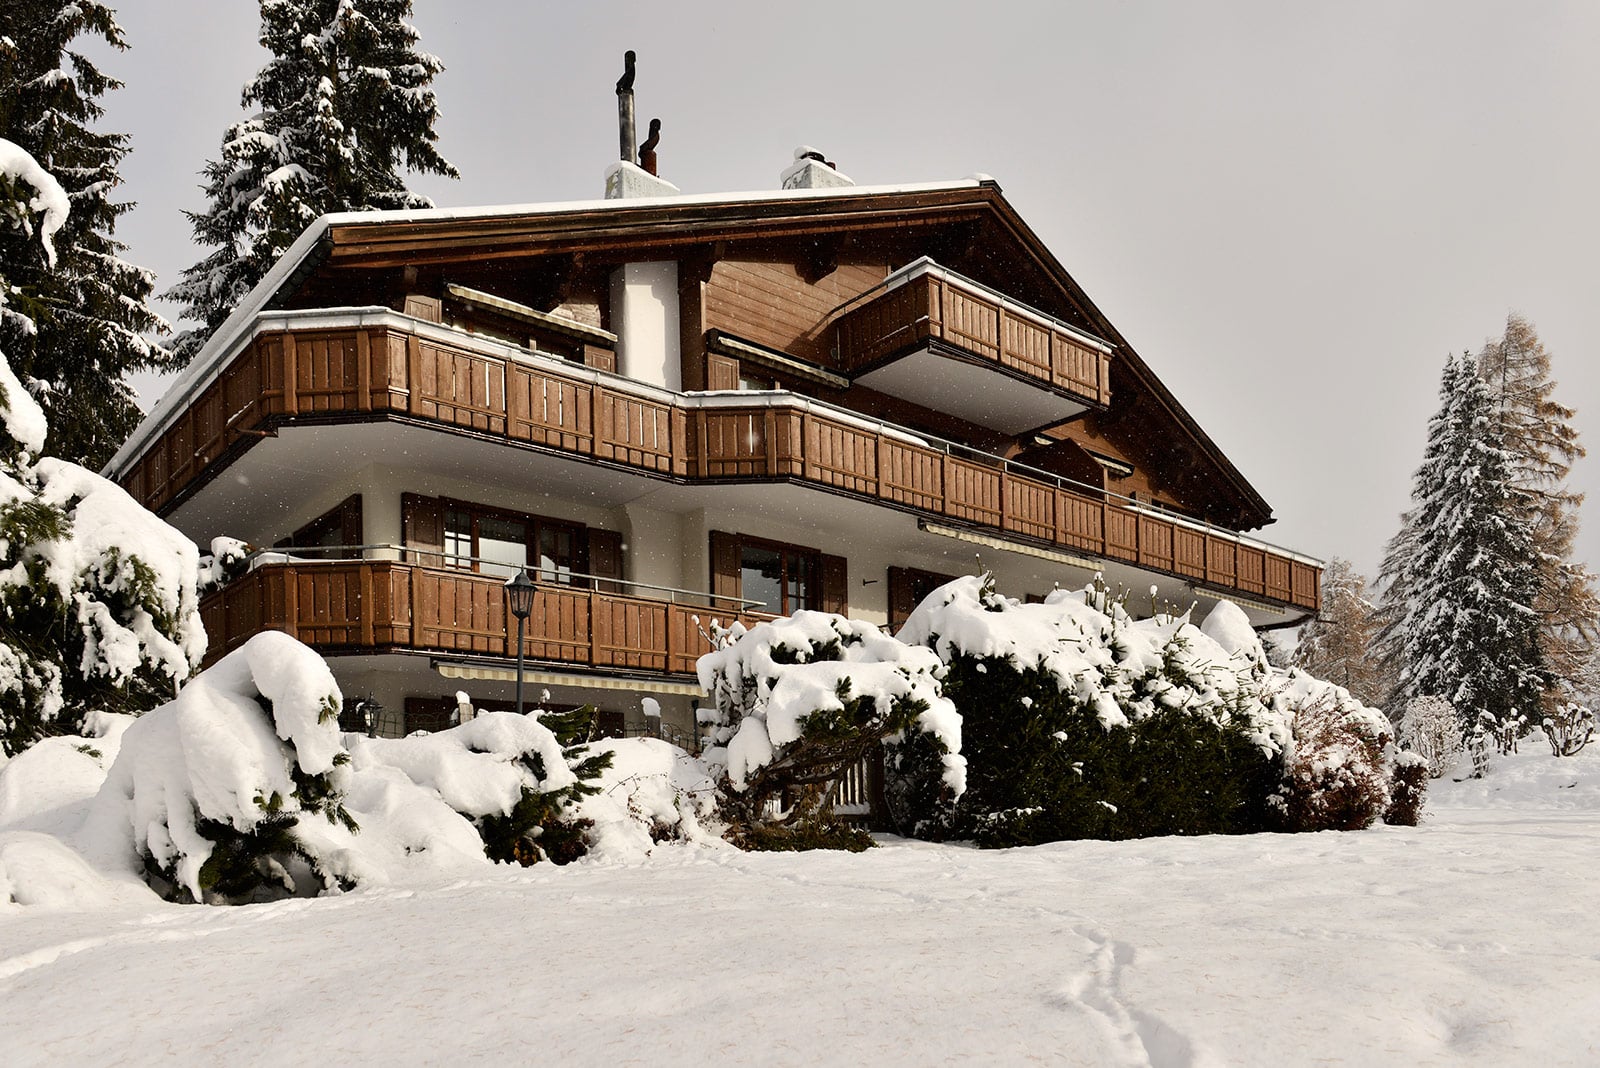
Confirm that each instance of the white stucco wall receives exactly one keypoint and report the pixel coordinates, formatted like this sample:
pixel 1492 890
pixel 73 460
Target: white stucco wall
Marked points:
pixel 644 316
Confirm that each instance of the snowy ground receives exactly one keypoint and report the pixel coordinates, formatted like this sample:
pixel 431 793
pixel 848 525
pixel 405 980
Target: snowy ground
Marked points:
pixel 1474 939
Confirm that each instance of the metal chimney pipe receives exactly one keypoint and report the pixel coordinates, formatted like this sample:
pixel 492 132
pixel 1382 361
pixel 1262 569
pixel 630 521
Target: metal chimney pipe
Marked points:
pixel 628 138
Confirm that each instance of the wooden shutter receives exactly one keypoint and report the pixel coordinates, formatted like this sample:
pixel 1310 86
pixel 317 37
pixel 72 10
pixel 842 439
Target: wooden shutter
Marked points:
pixel 422 527
pixel 605 558
pixel 429 308
pixel 835 585
pixel 351 532
pixel 725 568
pixel 722 372
pixel 902 598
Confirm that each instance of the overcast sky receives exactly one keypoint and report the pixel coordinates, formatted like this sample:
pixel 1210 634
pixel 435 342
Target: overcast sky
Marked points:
pixel 1294 212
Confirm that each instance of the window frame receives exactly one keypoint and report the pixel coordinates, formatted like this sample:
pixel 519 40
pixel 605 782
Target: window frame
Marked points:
pixel 786 551
pixel 533 527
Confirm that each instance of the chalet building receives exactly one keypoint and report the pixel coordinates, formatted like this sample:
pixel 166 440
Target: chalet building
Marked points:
pixel 672 409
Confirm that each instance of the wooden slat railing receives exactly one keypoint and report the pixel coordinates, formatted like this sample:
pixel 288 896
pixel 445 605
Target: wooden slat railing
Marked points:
pixel 929 303
pixel 389 368
pixel 378 604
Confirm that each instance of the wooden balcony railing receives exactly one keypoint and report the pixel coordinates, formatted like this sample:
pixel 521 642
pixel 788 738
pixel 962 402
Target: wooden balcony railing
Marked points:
pixel 321 366
pixel 351 605
pixel 924 302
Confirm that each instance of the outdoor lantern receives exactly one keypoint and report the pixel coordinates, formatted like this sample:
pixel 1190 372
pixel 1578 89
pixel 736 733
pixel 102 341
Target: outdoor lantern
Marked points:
pixel 519 594
pixel 519 598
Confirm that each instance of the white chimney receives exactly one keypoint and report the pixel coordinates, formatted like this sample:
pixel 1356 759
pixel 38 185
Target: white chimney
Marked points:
pixel 811 171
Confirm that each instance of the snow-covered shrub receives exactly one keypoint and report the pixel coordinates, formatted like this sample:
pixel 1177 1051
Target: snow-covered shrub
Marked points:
pixel 1408 786
pixel 228 559
pixel 1568 729
pixel 234 790
pixel 1078 721
pixel 516 778
pixel 799 701
pixel 98 607
pixel 1336 773
pixel 652 792
pixel 1430 728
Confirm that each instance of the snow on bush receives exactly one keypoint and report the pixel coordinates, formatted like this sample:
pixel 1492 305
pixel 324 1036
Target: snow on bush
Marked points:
pixel 1408 786
pixel 652 792
pixel 1080 721
pixel 98 603
pixel 1430 728
pixel 799 701
pixel 1568 729
pixel 510 776
pixel 208 791
pixel 1336 771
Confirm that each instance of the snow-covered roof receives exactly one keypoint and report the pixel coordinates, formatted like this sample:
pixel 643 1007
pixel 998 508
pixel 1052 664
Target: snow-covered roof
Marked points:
pixel 207 363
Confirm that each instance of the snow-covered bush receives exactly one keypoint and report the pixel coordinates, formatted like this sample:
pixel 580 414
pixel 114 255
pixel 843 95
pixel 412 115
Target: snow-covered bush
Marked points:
pixel 1408 786
pixel 1430 728
pixel 234 790
pixel 799 701
pixel 1568 729
pixel 98 607
pixel 652 793
pixel 1336 773
pixel 1079 721
pixel 243 788
pixel 516 778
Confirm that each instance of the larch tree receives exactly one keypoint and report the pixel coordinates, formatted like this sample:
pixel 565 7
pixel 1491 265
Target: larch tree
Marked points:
pixel 344 106
pixel 1338 645
pixel 1459 615
pixel 1539 434
pixel 84 319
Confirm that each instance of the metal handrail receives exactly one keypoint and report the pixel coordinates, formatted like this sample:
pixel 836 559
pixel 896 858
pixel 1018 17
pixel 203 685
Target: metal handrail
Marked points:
pixel 254 560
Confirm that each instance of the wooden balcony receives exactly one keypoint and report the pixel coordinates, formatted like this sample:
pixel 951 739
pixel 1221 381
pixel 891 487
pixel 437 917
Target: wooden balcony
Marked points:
pixel 926 309
pixel 344 367
pixel 380 605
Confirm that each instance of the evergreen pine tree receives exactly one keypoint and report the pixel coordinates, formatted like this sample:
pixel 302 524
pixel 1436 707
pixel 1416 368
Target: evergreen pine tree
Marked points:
pixel 1543 443
pixel 1466 628
pixel 1338 644
pixel 87 312
pixel 344 105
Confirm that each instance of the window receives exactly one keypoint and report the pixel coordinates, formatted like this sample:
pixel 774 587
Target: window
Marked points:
pixel 339 526
pixel 908 586
pixel 498 543
pixel 782 577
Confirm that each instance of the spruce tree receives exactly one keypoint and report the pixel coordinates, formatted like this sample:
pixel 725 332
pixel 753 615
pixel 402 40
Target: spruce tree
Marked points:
pixel 1338 644
pixel 98 602
pixel 1543 442
pixel 1466 628
pixel 87 314
pixel 344 105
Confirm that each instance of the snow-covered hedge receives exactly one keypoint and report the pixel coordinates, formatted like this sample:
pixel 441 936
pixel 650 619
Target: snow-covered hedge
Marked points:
pixel 800 701
pixel 1080 721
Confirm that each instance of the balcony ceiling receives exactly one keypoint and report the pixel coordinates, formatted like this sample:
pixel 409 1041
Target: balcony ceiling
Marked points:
pixel 978 393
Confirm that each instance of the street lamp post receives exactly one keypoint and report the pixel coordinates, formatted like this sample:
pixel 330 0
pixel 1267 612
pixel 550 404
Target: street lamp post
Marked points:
pixel 519 598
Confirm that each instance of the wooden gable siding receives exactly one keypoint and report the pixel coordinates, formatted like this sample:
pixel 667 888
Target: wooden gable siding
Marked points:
pixel 770 303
